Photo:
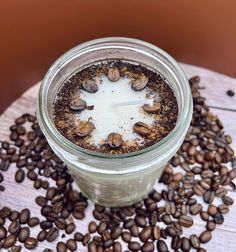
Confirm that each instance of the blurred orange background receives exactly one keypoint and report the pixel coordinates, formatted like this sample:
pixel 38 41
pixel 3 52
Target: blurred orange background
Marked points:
pixel 35 33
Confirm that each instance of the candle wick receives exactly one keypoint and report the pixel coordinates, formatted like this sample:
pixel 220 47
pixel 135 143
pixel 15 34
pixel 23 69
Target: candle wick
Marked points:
pixel 135 102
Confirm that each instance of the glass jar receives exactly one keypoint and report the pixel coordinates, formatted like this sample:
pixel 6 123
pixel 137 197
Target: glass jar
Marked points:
pixel 123 179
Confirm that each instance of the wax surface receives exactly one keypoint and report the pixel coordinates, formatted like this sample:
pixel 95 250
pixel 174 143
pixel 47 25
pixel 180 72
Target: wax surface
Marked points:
pixel 109 115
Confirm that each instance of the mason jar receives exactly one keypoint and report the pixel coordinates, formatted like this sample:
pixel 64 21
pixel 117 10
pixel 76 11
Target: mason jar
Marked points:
pixel 114 179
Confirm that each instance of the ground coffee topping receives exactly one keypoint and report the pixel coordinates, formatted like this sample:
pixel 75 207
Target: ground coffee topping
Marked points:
pixel 69 105
pixel 195 180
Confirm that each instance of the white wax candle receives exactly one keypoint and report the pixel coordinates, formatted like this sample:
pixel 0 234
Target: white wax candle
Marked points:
pixel 116 109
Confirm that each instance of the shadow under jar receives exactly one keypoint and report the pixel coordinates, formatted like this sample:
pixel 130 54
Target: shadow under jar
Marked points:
pixel 115 179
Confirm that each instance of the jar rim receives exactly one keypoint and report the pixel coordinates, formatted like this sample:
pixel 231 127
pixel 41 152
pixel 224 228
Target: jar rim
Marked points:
pixel 49 127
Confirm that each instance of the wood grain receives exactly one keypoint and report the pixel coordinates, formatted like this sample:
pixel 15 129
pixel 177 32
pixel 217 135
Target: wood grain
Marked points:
pixel 19 196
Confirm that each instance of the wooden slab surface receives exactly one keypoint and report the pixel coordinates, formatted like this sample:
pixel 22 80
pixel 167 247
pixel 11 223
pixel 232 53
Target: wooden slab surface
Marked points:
pixel 18 196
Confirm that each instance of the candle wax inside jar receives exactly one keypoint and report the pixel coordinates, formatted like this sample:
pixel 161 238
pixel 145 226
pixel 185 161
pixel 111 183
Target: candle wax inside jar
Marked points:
pixel 113 109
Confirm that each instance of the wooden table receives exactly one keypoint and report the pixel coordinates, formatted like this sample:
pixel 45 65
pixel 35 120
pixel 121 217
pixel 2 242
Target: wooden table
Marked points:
pixel 18 196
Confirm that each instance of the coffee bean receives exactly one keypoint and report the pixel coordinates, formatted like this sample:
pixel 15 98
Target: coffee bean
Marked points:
pixel 227 200
pixel 134 230
pixel 185 221
pixel 77 104
pixel 126 236
pixel 218 218
pixel 205 236
pixel 31 243
pixel 32 175
pixel 92 247
pixel 113 74
pixel 152 108
pixel 16 248
pixel 84 129
pixel 223 209
pixel 70 228
pixel 20 176
pixel 42 235
pixel 209 196
pixel 41 201
pixel 78 236
pixel 24 216
pixel 156 232
pixel 9 241
pixel 176 242
pixel 139 84
pixel 204 215
pixel 46 224
pixel 145 234
pixel 23 234
pixel 3 233
pixel 212 210
pixel 161 246
pixel 14 227
pixel 52 234
pixel 220 192
pixel 230 92
pixel 61 247
pixel 142 129
pixel 185 244
pixel 134 246
pixel 170 231
pixel 114 140
pixel 117 247
pixel 195 209
pixel 211 225
pixel 148 247
pixel 201 250
pixel 86 239
pixel 71 245
pixel 33 221
pixel 5 212
pixel 90 86
pixel 195 241
pixel 108 243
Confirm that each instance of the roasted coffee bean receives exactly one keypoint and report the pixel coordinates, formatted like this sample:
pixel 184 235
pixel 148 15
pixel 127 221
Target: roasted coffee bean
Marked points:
pixel 71 245
pixel 9 241
pixel 140 221
pixel 139 84
pixel 92 247
pixel 84 129
pixel 227 200
pixel 134 246
pixel 134 230
pixel 3 233
pixel 46 225
pixel 31 243
pixel 52 234
pixel 161 246
pixel 205 236
pixel 16 248
pixel 113 74
pixel 77 104
pixel 185 244
pixel 14 215
pixel 218 218
pixel 14 227
pixel 32 175
pixel 70 228
pixel 33 221
pixel 204 215
pixel 42 235
pixel 148 247
pixel 185 221
pixel 211 225
pixel 176 242
pixel 41 201
pixel 23 234
pixel 142 129
pixel 114 140
pixel 209 196
pixel 20 176
pixel 78 236
pixel 152 108
pixel 24 216
pixel 61 247
pixel 126 236
pixel 194 240
pixel 2 221
pixel 146 233
pixel 195 209
pixel 108 243
pixel 230 92
pixel 223 209
pixel 212 210
pixel 170 231
pixel 117 247
pixel 156 232
pixel 90 86
pixel 86 239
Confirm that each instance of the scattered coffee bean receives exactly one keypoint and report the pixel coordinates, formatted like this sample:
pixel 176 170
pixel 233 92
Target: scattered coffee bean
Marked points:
pixel 90 86
pixel 24 216
pixel 185 244
pixel 113 74
pixel 152 108
pixel 185 221
pixel 227 200
pixel 84 129
pixel 52 234
pixel 134 246
pixel 23 234
pixel 230 93
pixel 114 140
pixel 139 84
pixel 61 247
pixel 195 241
pixel 70 228
pixel 9 241
pixel 161 246
pixel 142 129
pixel 205 236
pixel 20 176
pixel 71 245
pixel 30 243
pixel 77 104
pixel 3 233
pixel 218 218
pixel 211 225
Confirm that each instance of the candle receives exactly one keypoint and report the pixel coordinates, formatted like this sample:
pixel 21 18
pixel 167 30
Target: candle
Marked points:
pixel 115 107
pixel 105 106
